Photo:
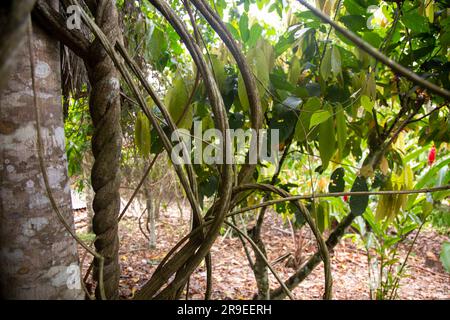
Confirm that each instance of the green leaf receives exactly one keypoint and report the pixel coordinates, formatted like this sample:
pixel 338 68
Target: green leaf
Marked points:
pixel 284 43
pixel 331 63
pixel 358 204
pixel 445 38
pixel 416 22
pixel 261 68
pixel 243 27
pixel 327 139
pixel 302 128
pixel 209 186
pixel 341 131
pixel 260 60
pixel 157 48
pixel 354 22
pixel 337 182
pixel 367 103
pixel 372 38
pixel 325 67
pixel 176 100
pixel 354 7
pixel 246 5
pixel 280 82
pixel 233 30
pixel 156 144
pixel 336 64
pixel 427 178
pixel 322 216
pixel 294 71
pixel 219 72
pixel 319 117
pixel 445 256
pixel 242 93
pixel 284 117
pixel 142 134
pixel 269 52
pixel 255 34
pixel 236 120
pixel 349 59
pixel 427 208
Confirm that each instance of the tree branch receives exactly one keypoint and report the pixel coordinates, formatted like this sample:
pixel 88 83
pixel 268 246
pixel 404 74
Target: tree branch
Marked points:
pixel 428 114
pixel 338 194
pixel 378 55
pixel 53 22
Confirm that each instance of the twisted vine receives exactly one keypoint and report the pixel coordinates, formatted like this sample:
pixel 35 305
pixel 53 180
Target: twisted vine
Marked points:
pixel 247 75
pixel 104 107
pixel 195 252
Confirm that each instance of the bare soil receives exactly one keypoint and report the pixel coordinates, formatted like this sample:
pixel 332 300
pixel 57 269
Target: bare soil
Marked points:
pixel 233 278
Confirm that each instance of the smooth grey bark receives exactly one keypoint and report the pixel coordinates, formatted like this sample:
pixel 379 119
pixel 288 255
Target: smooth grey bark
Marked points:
pixel 38 257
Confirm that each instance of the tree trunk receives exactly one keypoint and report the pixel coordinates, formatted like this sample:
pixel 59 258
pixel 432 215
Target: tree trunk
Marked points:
pixel 158 203
pixel 260 271
pixel 13 23
pixel 39 258
pixel 104 106
pixel 151 222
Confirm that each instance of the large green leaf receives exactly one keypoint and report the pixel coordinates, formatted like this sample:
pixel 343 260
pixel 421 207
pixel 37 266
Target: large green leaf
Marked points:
pixel 354 22
pixel 157 49
pixel 327 140
pixel 331 63
pixel 325 67
pixel 337 182
pixel 367 103
pixel 255 34
pixel 427 178
pixel 358 204
pixel 233 30
pixel 336 63
pixel 322 215
pixel 294 71
pixel 354 7
pixel 142 136
pixel 176 102
pixel 302 127
pixel 219 72
pixel 243 27
pixel 414 21
pixel 261 60
pixel 319 117
pixel 341 131
pixel 284 117
pixel 242 93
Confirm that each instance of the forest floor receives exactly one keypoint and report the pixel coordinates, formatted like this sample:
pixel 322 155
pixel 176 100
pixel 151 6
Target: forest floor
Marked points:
pixel 233 278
